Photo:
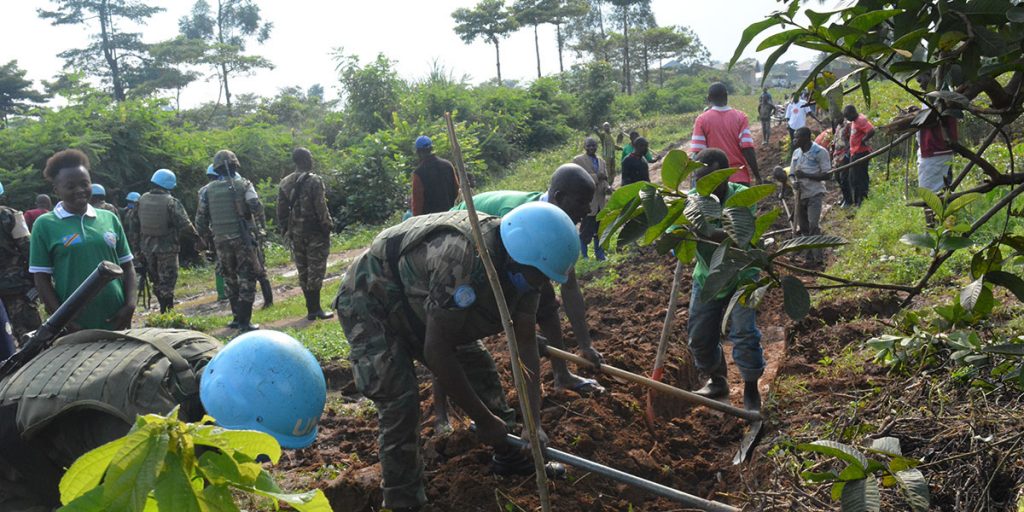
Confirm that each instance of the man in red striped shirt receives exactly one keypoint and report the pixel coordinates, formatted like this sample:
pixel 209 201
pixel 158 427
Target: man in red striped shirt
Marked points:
pixel 727 129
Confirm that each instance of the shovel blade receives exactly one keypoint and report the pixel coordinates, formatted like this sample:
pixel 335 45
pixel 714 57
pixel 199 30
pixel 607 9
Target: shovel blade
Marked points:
pixel 748 443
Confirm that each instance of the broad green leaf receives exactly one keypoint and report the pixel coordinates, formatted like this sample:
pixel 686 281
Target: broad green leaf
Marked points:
pixel 919 240
pixel 718 281
pixel 608 230
pixel 675 211
pixel 801 243
pixel 91 501
pixel 986 261
pixel 795 300
pixel 770 61
pixel 249 442
pixel 708 184
pixel 910 40
pixel 312 501
pixel 764 222
pixel 750 33
pixel 865 87
pixel 669 241
pixel 909 66
pixel 218 499
pixel 952 243
pixel 779 38
pixel 87 472
pixel 221 469
pixel 861 496
pixel 174 489
pixel 739 224
pixel 631 232
pixel 844 452
pixel 728 310
pixel 654 206
pixel 703 212
pixel 718 257
pixel 837 490
pixel 962 201
pixel 887 445
pixel 133 470
pixel 686 251
pixel 755 298
pixel 900 463
pixel 1006 349
pixel 750 196
pixel 819 477
pixel 950 39
pixel 915 489
pixel 676 167
pixel 870 19
pixel 854 472
pixel 932 201
pixel 622 197
pixel 819 18
pixel 970 294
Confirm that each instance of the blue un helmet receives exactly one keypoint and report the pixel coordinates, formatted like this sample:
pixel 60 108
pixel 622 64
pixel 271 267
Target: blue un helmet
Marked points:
pixel 132 197
pixel 164 178
pixel 1 189
pixel 98 190
pixel 210 171
pixel 541 235
pixel 424 142
pixel 266 381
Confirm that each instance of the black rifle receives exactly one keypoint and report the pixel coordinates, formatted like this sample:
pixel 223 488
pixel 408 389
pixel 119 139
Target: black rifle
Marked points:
pixel 53 327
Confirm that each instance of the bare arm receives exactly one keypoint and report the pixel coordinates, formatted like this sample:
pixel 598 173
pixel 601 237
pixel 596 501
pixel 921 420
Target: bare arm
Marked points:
pixel 576 310
pixel 526 340
pixel 751 156
pixel 122 319
pixel 47 294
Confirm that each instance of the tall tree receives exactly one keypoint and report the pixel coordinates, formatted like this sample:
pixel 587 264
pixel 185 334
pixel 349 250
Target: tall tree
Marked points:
pixel 561 12
pixel 490 20
pixel 629 11
pixel 588 32
pixel 167 68
pixel 113 53
pixel 16 92
pixel 227 30
pixel 534 13
pixel 679 43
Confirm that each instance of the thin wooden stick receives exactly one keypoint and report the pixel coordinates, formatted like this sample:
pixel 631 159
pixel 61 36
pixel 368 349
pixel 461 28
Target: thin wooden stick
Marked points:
pixel 506 319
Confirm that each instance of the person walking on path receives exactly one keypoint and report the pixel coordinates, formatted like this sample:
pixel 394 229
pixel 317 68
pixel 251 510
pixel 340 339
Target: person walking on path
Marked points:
pixel 796 114
pixel 608 149
pixel 162 221
pixel 727 129
pixel 706 314
pixel 43 205
pixel 420 293
pixel 861 131
pixel 99 200
pixel 434 184
pixel 70 241
pixel 635 167
pixel 16 288
pixel 765 111
pixel 809 168
pixel 304 220
pixel 598 171
pixel 229 211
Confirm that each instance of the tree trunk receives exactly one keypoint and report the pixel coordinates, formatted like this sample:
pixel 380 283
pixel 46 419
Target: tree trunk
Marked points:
pixel 223 63
pixel 108 52
pixel 661 73
pixel 558 37
pixel 227 91
pixel 600 26
pixel 647 68
pixel 625 60
pixel 536 47
pixel 497 59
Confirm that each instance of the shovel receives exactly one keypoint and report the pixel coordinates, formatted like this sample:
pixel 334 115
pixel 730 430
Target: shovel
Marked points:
pixel 750 438
pixel 666 328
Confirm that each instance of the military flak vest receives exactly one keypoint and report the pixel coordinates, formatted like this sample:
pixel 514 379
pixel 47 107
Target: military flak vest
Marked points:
pixel 224 207
pixel 155 214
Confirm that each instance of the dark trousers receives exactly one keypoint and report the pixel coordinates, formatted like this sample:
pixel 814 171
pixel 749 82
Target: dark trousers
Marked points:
pixel 843 177
pixel 588 230
pixel 859 179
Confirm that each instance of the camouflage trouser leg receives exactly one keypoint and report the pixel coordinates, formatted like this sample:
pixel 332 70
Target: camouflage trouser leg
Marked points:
pixel 23 313
pixel 163 271
pixel 311 254
pixel 237 263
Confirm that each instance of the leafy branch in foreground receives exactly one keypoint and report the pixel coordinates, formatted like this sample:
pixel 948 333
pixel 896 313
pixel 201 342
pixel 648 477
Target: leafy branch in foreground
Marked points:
pixel 725 236
pixel 156 467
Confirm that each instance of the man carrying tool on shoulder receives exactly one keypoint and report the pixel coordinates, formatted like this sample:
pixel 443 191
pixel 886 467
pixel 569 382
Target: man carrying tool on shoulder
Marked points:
pixel 420 293
pixel 571 190
pixel 705 318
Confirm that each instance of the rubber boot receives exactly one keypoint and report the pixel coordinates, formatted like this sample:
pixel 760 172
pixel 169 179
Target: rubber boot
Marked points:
pixel 222 293
pixel 268 292
pixel 245 317
pixel 313 309
pixel 166 304
pixel 234 314
pixel 718 385
pixel 751 396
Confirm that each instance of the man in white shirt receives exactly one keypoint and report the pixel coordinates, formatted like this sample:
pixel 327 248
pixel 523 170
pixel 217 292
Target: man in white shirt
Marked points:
pixel 809 169
pixel 796 114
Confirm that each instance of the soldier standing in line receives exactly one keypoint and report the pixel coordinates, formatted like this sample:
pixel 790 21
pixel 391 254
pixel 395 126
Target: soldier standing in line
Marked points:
pixel 16 288
pixel 222 294
pixel 228 210
pixel 303 218
pixel 99 200
pixel 162 221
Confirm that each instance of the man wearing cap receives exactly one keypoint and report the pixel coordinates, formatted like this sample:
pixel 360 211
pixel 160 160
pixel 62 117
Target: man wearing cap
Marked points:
pixel 420 293
pixel 16 287
pixel 727 129
pixel 162 221
pixel 434 184
pixel 228 210
pixel 99 200
pixel 303 218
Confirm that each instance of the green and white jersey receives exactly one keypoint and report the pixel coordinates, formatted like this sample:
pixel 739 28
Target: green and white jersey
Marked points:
pixel 500 202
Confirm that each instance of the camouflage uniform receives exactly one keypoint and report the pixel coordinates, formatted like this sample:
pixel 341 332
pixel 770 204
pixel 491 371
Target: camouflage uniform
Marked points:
pixel 108 207
pixel 15 280
pixel 217 216
pixel 161 220
pixel 383 316
pixel 303 218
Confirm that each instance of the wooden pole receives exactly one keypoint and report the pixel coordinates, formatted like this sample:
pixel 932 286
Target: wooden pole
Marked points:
pixel 506 319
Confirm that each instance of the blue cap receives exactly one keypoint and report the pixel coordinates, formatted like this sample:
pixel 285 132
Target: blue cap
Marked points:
pixel 423 142
pixel 98 190
pixel 132 196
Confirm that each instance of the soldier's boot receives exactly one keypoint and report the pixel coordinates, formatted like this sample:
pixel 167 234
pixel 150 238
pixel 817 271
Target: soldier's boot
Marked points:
pixel 313 309
pixel 268 292
pixel 166 303
pixel 234 314
pixel 718 385
pixel 245 317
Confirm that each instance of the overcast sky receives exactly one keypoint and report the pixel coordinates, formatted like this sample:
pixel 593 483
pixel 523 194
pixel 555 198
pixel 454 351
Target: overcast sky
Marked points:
pixel 412 33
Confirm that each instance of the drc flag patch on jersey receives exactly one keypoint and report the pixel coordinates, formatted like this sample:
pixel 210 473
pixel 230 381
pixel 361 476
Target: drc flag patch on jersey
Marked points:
pixel 72 239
